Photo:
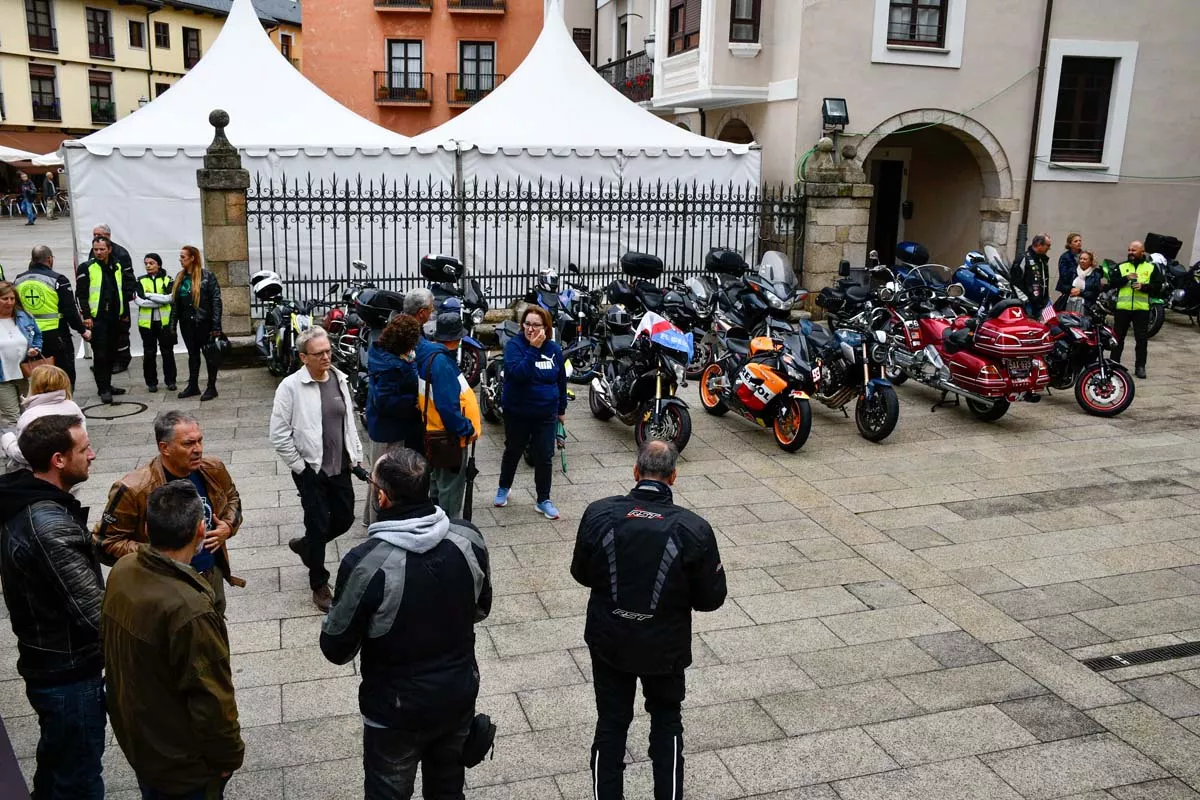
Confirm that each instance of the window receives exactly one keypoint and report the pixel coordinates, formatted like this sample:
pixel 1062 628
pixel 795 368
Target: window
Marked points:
pixel 39 22
pixel 191 47
pixel 921 23
pixel 743 20
pixel 285 45
pixel 104 110
pixel 683 25
pixel 99 31
pixel 137 34
pixel 160 88
pixel 1081 118
pixel 477 63
pixel 43 93
pixel 623 39
pixel 162 36
pixel 583 40
pixel 406 69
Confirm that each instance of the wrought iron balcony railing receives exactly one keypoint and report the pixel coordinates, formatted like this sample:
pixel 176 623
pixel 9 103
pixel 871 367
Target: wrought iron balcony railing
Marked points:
pixel 46 112
pixel 467 88
pixel 487 6
pixel 44 39
pixel 403 5
pixel 632 76
pixel 403 88
pixel 104 113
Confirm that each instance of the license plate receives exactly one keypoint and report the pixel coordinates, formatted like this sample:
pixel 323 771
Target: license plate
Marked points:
pixel 1019 365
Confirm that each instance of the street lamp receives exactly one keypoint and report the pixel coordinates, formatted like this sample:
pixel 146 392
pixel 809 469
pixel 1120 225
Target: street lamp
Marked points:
pixel 834 113
pixel 143 101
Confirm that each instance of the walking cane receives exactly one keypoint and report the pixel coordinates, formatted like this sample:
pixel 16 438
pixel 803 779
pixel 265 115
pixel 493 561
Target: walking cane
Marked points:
pixel 472 472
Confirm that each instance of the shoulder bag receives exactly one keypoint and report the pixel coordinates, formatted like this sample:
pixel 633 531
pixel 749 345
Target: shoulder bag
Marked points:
pixel 443 449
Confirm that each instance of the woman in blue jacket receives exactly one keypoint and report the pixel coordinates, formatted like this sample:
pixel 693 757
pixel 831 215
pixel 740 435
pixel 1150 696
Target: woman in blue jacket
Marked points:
pixel 20 339
pixel 535 400
pixel 392 416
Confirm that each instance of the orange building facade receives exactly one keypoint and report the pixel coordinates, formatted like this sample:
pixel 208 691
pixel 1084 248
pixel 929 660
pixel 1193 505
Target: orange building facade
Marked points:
pixel 410 65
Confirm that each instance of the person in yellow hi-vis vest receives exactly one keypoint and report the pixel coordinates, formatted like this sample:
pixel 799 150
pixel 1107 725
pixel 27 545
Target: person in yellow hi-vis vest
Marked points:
pixel 154 322
pixel 104 289
pixel 47 296
pixel 1135 280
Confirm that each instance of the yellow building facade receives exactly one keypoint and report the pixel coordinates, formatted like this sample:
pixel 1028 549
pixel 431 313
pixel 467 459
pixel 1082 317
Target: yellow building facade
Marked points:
pixel 70 67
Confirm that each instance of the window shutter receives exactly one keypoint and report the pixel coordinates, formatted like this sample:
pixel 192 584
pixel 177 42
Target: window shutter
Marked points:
pixel 691 21
pixel 99 77
pixel 41 71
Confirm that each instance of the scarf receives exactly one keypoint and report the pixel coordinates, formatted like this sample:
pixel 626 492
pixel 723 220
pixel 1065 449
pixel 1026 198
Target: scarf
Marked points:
pixel 1081 276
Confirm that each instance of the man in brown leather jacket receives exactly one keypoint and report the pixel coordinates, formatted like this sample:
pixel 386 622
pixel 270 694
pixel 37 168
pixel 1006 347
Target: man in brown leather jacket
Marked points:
pixel 122 526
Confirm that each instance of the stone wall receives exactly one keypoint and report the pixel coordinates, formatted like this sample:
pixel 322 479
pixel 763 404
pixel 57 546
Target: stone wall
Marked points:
pixel 837 217
pixel 223 185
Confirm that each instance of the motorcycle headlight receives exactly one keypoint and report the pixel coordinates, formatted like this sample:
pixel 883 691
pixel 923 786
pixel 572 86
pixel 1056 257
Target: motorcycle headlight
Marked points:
pixel 792 368
pixel 477 316
pixel 775 301
pixel 680 373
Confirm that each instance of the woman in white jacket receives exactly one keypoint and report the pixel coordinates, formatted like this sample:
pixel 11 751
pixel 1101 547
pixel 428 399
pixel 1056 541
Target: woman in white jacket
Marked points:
pixel 49 395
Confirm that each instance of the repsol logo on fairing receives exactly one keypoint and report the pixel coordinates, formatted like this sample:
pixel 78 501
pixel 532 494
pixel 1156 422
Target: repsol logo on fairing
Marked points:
pixel 641 513
pixel 633 615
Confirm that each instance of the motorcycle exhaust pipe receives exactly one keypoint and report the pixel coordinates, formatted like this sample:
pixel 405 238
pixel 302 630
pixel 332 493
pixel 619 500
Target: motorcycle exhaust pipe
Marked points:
pixel 947 386
pixel 602 392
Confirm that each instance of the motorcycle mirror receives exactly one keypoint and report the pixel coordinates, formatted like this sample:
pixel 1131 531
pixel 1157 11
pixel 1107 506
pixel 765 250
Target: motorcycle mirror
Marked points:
pixel 333 290
pixel 359 264
pixel 573 269
pixel 955 290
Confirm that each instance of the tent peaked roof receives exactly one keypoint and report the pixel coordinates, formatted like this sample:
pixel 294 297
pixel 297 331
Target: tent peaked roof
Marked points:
pixel 270 104
pixel 556 101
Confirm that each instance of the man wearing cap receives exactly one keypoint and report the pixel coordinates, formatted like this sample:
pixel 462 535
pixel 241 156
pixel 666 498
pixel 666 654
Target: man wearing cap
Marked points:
pixel 447 404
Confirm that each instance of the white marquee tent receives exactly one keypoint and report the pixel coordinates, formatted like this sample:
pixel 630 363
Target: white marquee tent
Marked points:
pixel 555 116
pixel 139 174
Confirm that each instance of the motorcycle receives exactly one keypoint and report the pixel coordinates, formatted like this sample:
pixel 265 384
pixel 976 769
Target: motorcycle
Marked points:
pixel 575 311
pixel 284 321
pixel 763 381
pixel 374 309
pixel 640 371
pixel 1180 293
pixel 1103 388
pixel 847 364
pixel 452 291
pixel 491 387
pixel 346 331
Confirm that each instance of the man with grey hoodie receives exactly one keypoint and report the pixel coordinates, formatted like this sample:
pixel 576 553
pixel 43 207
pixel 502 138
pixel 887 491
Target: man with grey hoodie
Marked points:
pixel 408 598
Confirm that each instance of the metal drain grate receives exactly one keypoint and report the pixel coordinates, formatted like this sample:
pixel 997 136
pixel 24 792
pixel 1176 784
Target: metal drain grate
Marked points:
pixel 1143 656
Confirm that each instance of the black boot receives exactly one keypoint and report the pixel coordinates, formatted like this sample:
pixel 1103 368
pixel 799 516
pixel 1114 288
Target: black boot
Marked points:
pixel 210 393
pixel 191 390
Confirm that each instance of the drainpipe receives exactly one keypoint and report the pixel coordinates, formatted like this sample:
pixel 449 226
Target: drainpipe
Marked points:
pixel 149 42
pixel 595 35
pixel 1023 228
pixel 703 123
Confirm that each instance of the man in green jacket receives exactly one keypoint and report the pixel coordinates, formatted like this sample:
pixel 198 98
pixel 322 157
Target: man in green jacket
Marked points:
pixel 1135 280
pixel 166 658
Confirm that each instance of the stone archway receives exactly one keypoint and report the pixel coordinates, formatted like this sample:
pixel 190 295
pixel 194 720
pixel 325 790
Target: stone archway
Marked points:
pixel 998 203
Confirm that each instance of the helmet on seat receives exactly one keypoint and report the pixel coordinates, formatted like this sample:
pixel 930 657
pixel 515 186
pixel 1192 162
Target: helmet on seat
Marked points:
pixel 266 285
pixel 618 320
pixel 548 279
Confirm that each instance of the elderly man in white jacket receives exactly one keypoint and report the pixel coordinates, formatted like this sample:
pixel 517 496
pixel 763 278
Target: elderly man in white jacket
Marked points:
pixel 313 431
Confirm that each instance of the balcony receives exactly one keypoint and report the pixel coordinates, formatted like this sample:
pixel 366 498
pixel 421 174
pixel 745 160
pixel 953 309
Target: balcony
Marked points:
pixel 403 88
pixel 632 76
pixel 404 5
pixel 104 113
pixel 43 39
pixel 465 89
pixel 46 112
pixel 101 49
pixel 476 6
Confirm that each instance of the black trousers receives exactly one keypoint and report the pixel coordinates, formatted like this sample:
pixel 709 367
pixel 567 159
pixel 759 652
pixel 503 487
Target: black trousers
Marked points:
pixel 105 334
pixel 1141 324
pixel 390 760
pixel 614 712
pixel 58 343
pixel 328 504
pixel 194 337
pixel 157 339
pixel 124 354
pixel 537 434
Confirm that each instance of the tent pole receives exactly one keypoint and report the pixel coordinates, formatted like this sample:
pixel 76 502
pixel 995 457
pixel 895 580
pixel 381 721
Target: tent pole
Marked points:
pixel 460 202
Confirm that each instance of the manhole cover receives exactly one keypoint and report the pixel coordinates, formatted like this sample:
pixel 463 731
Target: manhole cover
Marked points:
pixel 115 410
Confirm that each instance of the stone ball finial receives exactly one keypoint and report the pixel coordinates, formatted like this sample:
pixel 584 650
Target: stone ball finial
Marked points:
pixel 849 152
pixel 825 144
pixel 218 118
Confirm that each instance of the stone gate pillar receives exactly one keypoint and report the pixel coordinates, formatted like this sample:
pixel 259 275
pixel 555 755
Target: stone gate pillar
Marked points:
pixel 838 214
pixel 223 184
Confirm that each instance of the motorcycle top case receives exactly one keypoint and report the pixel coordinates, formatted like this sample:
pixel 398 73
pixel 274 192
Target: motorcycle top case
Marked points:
pixel 376 306
pixel 441 269
pixel 913 253
pixel 1166 246
pixel 725 262
pixel 642 265
pixel 1013 335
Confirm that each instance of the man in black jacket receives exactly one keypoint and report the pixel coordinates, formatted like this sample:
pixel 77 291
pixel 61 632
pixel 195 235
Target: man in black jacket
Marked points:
pixel 1032 275
pixel 639 620
pixel 120 255
pixel 104 288
pixel 47 295
pixel 409 598
pixel 53 590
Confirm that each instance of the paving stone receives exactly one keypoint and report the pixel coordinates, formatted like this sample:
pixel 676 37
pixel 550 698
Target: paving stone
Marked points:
pixel 1066 631
pixel 505 711
pixel 513 674
pixel 774 639
pixel 888 623
pixel 1169 789
pixel 705 778
pixel 507 609
pixel 261 785
pixel 999 525
pixel 565 602
pixel 976 616
pixel 539 636
pixel 955 649
pixel 711 728
pixel 1142 619
pixel 1057 569
pixel 1072 766
pixel 1049 718
pixel 824 549
pixel 291 744
pixel 917 537
pixel 967 686
pixel 798 761
pixel 250 637
pixel 838 707
pixel 729 615
pixel 948 734
pixel 983 580
pixel 1049 601
pixel 962 779
pixel 320 698
pixel 558 706
pixel 260 705
pixel 763 555
pixel 536 754
pixel 1168 743
pixel 799 604
pixel 1140 587
pixel 284 666
pixel 746 680
pixel 865 662
pixel 1063 675
pixel 825 573
pixel 901 564
pixel 882 594
pixel 974 554
pixel 1141 558
pixel 1168 694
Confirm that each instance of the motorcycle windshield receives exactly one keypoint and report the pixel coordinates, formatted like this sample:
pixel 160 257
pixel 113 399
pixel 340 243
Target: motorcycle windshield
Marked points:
pixel 697 288
pixel 996 260
pixel 930 275
pixel 663 333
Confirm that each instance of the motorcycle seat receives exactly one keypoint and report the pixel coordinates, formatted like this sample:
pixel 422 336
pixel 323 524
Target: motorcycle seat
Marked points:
pixel 956 340
pixel 739 346
pixel 857 294
pixel 620 342
pixel 1177 270
pixel 1070 320
pixel 1002 306
pixel 819 336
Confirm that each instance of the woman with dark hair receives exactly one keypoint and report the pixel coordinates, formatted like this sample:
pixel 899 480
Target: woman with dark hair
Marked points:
pixel 392 416
pixel 1068 262
pixel 153 300
pixel 535 400
pixel 197 304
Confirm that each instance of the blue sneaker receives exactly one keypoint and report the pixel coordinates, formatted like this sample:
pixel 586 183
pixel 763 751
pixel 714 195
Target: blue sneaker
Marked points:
pixel 547 509
pixel 501 498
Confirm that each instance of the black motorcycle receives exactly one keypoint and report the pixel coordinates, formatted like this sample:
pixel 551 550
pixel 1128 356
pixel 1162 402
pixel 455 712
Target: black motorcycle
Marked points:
pixel 491 387
pixel 847 364
pixel 453 291
pixel 575 312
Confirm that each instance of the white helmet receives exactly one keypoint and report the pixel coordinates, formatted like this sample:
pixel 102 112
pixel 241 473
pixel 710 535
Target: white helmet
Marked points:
pixel 266 285
pixel 1159 259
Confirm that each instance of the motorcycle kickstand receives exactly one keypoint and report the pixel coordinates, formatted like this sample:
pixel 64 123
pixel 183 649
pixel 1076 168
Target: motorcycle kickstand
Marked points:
pixel 944 403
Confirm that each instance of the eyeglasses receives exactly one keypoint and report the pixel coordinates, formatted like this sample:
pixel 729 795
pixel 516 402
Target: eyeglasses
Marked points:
pixel 319 353
pixel 533 324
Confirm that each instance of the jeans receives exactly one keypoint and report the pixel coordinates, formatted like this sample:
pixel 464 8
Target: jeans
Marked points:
pixel 538 435
pixel 71 719
pixel 390 761
pixel 213 790
pixel 10 401
pixel 614 712
pixel 1141 325
pixel 30 210
pixel 157 338
pixel 105 331
pixel 448 487
pixel 194 337
pixel 328 504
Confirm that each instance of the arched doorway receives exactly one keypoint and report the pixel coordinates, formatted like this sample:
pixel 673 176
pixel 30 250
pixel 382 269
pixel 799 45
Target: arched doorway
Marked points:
pixel 736 131
pixel 941 179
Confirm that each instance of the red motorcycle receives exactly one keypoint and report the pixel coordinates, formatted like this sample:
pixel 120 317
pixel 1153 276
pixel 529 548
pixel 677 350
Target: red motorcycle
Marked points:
pixel 1103 387
pixel 991 359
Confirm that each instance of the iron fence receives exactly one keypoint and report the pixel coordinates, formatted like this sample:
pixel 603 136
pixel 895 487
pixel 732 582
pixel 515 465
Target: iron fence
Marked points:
pixel 309 231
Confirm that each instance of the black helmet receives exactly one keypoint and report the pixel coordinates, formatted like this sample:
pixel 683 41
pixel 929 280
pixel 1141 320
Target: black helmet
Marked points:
pixel 217 348
pixel 618 319
pixel 548 279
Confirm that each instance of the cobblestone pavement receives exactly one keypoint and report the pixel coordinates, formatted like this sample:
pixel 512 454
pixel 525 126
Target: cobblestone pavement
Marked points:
pixel 905 620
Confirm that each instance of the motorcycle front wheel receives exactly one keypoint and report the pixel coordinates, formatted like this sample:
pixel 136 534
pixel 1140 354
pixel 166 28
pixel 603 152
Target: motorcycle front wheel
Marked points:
pixel 674 425
pixel 876 416
pixel 793 424
pixel 599 410
pixel 1158 315
pixel 710 398
pixel 492 387
pixel 471 364
pixel 988 412
pixel 702 357
pixel 1104 397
